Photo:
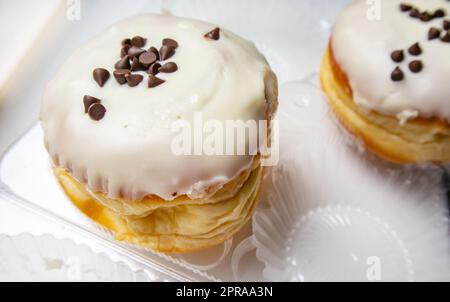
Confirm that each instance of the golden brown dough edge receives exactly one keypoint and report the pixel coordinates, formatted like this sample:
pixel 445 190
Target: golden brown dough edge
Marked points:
pixel 419 140
pixel 113 221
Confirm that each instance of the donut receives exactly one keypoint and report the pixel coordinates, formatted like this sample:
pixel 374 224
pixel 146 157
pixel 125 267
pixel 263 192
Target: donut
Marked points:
pixel 108 119
pixel 385 75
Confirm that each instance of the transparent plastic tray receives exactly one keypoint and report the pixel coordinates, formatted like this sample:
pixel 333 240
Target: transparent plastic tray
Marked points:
pixel 26 179
pixel 44 258
pixel 23 226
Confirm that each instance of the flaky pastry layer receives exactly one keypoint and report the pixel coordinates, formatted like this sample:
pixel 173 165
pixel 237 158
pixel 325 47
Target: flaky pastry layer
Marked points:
pixel 173 227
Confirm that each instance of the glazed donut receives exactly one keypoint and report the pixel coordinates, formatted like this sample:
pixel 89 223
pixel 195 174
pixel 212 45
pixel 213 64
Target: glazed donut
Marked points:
pixel 385 75
pixel 107 117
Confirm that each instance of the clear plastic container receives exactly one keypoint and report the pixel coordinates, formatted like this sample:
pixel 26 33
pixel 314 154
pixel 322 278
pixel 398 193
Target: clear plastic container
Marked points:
pixel 26 257
pixel 27 183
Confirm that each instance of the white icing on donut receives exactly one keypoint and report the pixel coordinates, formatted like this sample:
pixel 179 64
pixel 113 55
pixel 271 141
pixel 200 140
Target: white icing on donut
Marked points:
pixel 128 151
pixel 362 47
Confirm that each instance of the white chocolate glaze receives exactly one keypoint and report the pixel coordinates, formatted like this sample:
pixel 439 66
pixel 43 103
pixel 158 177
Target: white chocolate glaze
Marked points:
pixel 362 47
pixel 128 152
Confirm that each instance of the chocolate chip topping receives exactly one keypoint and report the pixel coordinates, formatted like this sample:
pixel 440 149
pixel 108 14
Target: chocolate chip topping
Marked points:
pixel 425 17
pixel 88 101
pixel 154 81
pixel 135 58
pixel 434 33
pixel 439 13
pixel 397 75
pixel 414 13
pixel 133 79
pixel 138 41
pixel 155 51
pixel 397 56
pixel 154 68
pixel 101 76
pixel 126 41
pixel 446 24
pixel 120 74
pixel 405 7
pixel 147 58
pixel 166 52
pixel 170 42
pixel 446 38
pixel 169 67
pixel 415 49
pixel 123 63
pixel 135 51
pixel 96 111
pixel 124 50
pixel 213 34
pixel 415 66
pixel 135 64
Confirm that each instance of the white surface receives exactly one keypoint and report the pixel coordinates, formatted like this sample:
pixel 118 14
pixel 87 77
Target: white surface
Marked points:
pixel 28 20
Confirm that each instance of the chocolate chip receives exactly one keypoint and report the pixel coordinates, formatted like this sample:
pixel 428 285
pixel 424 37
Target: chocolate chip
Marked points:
pixel 166 52
pixel 415 49
pixel 414 13
pixel 101 76
pixel 439 13
pixel 446 25
pixel 397 75
pixel 154 81
pixel 154 68
pixel 434 33
pixel 147 58
pixel 88 101
pixel 133 79
pixel 397 56
pixel 169 67
pixel 123 63
pixel 138 41
pixel 120 74
pixel 425 17
pixel 405 7
pixel 170 42
pixel 446 38
pixel 174 194
pixel 155 51
pixel 134 64
pixel 124 50
pixel 126 41
pixel 415 66
pixel 135 51
pixel 213 34
pixel 96 111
